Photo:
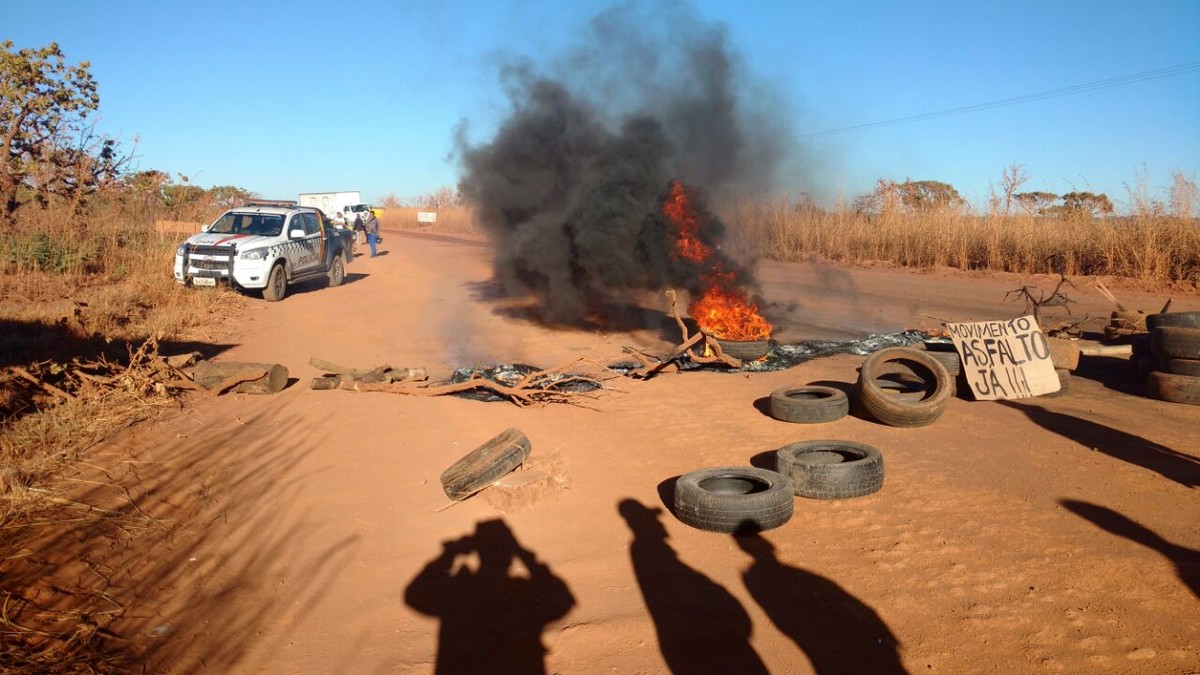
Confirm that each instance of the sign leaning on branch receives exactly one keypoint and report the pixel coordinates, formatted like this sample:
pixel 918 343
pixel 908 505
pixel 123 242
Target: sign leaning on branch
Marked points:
pixel 1005 359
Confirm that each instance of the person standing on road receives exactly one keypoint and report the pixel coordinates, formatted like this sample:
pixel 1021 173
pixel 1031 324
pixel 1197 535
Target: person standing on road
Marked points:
pixel 358 229
pixel 371 224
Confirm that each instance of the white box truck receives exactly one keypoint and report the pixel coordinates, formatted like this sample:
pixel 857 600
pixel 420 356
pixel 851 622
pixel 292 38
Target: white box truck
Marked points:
pixel 334 204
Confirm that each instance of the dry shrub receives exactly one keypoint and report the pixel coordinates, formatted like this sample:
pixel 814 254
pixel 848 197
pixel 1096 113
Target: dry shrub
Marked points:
pixel 84 302
pixel 1156 249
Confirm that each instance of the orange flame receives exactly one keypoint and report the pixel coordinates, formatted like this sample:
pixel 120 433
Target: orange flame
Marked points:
pixel 723 309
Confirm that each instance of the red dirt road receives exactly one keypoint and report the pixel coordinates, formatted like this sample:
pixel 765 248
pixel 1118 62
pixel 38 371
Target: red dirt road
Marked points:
pixel 1051 535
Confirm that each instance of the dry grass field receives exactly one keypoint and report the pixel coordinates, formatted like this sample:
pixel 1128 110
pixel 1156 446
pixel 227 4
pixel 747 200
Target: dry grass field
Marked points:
pixel 87 304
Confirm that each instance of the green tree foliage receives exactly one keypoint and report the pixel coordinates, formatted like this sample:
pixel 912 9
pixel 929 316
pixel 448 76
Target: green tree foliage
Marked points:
pixel 1086 204
pixel 47 147
pixel 1036 202
pixel 922 196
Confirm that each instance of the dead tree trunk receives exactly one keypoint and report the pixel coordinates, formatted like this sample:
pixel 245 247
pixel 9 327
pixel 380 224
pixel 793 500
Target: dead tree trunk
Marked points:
pixel 245 378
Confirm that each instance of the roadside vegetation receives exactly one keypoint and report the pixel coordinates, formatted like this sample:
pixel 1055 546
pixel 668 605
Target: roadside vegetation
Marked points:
pixel 88 305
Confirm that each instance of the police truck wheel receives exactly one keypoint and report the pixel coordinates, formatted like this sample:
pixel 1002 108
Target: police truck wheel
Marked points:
pixel 337 272
pixel 276 284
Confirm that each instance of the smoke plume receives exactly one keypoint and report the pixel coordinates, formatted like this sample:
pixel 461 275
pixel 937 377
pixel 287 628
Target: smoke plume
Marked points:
pixel 571 187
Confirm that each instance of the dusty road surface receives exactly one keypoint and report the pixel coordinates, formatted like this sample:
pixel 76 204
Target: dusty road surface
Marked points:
pixel 307 532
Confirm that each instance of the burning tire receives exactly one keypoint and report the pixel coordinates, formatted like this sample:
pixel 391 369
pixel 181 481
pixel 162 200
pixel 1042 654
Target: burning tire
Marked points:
pixel 734 499
pixel 485 464
pixel 831 469
pixel 1173 388
pixel 746 350
pixel 808 405
pixel 911 410
pixel 1175 342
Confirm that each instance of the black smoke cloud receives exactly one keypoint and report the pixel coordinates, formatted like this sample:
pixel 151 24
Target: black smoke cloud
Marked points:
pixel 570 188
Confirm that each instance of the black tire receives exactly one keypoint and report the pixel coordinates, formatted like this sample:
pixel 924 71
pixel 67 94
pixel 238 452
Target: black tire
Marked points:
pixel 276 287
pixel 734 499
pixel 1173 388
pixel 1189 367
pixel 903 411
pixel 746 350
pixel 809 405
pixel 1175 342
pixel 831 469
pixel 486 464
pixel 337 271
pixel 1185 319
pixel 949 360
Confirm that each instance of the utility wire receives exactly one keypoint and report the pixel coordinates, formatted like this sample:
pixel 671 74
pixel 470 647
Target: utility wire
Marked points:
pixel 1026 98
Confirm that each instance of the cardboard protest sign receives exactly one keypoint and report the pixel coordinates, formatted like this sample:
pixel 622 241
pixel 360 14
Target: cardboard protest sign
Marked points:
pixel 1005 359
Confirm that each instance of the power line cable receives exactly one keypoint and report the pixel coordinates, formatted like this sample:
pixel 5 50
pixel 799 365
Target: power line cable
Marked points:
pixel 1025 98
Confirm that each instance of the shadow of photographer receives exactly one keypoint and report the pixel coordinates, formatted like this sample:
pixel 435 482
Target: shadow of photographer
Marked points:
pixel 494 598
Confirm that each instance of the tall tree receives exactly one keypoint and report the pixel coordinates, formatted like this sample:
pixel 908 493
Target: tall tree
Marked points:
pixel 46 143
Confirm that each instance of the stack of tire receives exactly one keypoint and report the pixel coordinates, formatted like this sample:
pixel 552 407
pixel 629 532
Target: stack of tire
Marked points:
pixel 1174 357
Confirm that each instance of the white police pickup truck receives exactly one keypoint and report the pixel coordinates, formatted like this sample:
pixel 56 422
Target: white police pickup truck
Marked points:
pixel 265 246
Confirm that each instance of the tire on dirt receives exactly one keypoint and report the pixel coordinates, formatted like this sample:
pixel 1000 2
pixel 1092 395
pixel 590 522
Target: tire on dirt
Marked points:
pixel 950 361
pixel 810 404
pixel 1189 367
pixel 734 499
pixel 337 271
pixel 1175 342
pixel 1185 319
pixel 1173 388
pixel 486 464
pixel 276 287
pixel 831 469
pixel 903 411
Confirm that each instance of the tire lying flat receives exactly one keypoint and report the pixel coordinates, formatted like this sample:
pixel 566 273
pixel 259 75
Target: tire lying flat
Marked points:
pixel 811 404
pixel 733 499
pixel 1173 388
pixel 1175 342
pixel 829 469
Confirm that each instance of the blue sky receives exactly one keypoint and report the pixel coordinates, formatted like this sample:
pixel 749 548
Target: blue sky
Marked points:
pixel 289 97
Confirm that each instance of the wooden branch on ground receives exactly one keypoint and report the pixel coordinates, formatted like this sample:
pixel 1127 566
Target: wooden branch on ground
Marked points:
pixel 712 354
pixel 536 387
pixel 26 375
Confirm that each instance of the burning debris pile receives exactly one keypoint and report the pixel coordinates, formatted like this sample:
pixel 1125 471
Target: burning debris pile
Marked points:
pixel 591 190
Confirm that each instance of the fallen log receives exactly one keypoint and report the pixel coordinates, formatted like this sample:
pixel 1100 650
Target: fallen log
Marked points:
pixel 244 378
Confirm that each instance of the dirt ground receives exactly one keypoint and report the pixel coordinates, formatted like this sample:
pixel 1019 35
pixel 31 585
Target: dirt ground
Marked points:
pixel 307 532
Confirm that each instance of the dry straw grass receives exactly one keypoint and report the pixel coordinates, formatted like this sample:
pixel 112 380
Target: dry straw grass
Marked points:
pixel 1151 248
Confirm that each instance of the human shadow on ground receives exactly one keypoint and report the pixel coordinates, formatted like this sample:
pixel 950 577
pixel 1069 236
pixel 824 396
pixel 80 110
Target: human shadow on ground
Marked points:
pixel 491 620
pixel 835 630
pixel 1171 464
pixel 1186 560
pixel 701 627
